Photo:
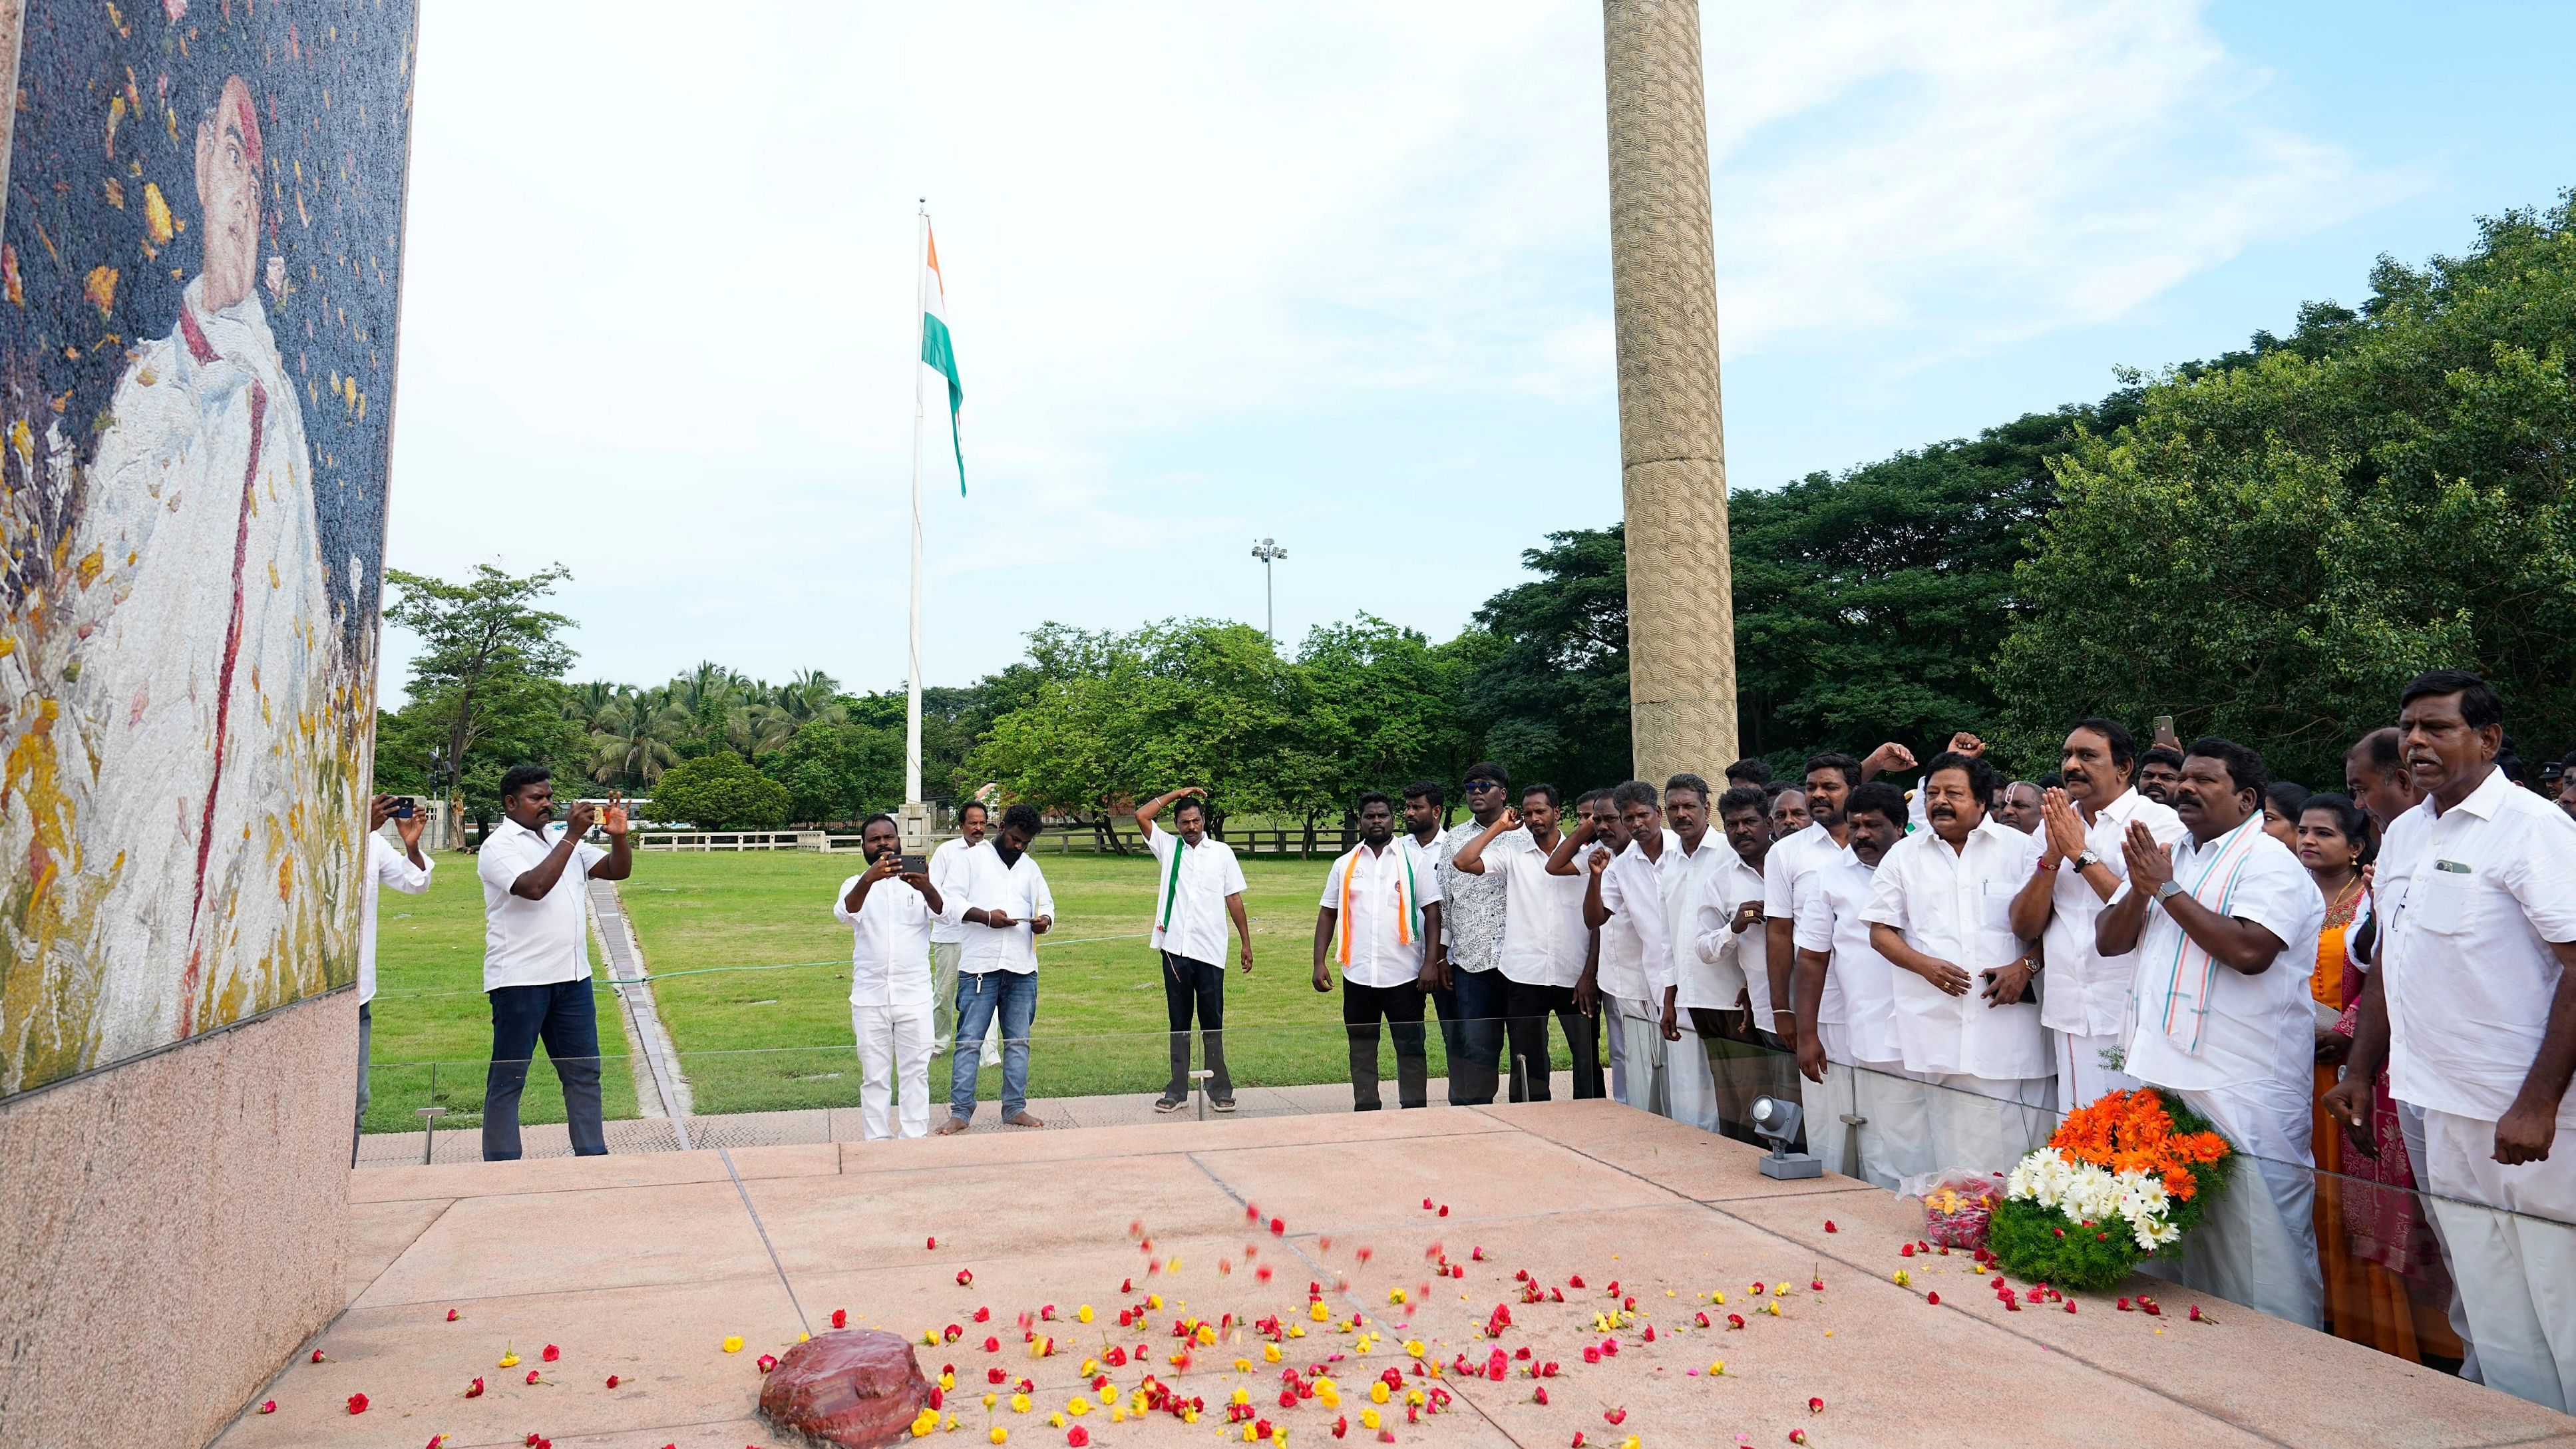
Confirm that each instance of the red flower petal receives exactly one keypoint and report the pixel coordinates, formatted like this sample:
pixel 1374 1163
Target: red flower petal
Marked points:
pixel 451 1315
pixel 269 1407
pixel 768 1362
pixel 551 1354
pixel 612 1381
pixel 475 1392
pixel 357 1403
pixel 840 1318
pixel 1933 1298
pixel 532 1376
pixel 931 1246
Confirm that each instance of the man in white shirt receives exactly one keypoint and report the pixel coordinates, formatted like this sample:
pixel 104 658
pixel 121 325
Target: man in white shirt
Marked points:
pixel 2081 865
pixel 1624 903
pixel 890 912
pixel 1006 906
pixel 1545 946
pixel 2477 892
pixel 1470 994
pixel 2225 924
pixel 406 870
pixel 536 954
pixel 1830 780
pixel 1379 914
pixel 1940 911
pixel 1845 1001
pixel 1707 885
pixel 1198 886
pixel 948 937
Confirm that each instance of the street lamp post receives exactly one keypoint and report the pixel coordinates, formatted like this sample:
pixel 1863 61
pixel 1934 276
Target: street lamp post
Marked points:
pixel 1269 552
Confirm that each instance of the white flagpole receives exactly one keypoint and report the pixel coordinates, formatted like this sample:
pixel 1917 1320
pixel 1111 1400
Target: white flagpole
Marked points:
pixel 912 692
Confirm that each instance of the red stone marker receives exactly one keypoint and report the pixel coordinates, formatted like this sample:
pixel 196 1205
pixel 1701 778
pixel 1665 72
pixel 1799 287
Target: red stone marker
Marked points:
pixel 856 1388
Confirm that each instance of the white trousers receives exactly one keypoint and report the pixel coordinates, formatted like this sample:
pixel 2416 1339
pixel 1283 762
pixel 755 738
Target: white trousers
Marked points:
pixel 894 1044
pixel 1892 1140
pixel 2410 1125
pixel 1638 1041
pixel 2257 1244
pixel 1986 1124
pixel 2082 1076
pixel 2517 1274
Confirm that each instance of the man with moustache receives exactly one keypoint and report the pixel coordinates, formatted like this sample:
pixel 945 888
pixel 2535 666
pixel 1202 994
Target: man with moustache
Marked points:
pixel 2018 806
pixel 1830 780
pixel 948 936
pixel 1379 914
pixel 1424 805
pixel 2224 923
pixel 1722 981
pixel 889 912
pixel 2476 998
pixel 2081 865
pixel 1846 1005
pixel 1470 994
pixel 2158 771
pixel 1199 888
pixel 1623 902
pixel 1788 811
pixel 1939 910
pixel 1545 945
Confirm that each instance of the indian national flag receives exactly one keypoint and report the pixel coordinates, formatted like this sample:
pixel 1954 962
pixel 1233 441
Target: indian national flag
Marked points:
pixel 938 351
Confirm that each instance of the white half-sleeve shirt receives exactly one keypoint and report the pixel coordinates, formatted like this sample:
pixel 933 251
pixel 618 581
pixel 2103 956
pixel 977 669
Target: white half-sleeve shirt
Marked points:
pixel 1729 963
pixel 2471 900
pixel 539 942
pixel 1636 950
pixel 386 865
pixel 948 872
pixel 1860 984
pixel 2257 1028
pixel 1545 942
pixel 2087 993
pixel 1377 930
pixel 890 942
pixel 1956 905
pixel 1189 907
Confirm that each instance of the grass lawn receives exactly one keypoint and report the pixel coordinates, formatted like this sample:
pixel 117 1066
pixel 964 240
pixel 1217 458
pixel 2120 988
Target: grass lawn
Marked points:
pixel 432 1028
pixel 756 1040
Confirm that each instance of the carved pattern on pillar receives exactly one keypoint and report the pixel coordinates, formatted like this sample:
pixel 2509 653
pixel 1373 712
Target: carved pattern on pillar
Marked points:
pixel 1672 437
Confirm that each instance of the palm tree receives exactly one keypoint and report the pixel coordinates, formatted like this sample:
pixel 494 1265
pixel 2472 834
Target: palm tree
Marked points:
pixel 584 703
pixel 635 739
pixel 756 729
pixel 811 695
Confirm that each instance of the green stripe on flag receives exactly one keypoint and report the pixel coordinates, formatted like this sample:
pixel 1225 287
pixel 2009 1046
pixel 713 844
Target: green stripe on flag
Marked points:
pixel 939 352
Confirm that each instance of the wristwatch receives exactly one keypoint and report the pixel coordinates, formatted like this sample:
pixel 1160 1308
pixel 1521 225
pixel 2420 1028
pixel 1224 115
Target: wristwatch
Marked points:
pixel 2169 890
pixel 2089 859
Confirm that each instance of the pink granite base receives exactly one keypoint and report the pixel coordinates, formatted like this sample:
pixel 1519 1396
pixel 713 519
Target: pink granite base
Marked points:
pixel 171 1230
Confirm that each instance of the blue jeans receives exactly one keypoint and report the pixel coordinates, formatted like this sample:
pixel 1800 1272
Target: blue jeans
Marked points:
pixel 1471 1030
pixel 567 1017
pixel 1014 994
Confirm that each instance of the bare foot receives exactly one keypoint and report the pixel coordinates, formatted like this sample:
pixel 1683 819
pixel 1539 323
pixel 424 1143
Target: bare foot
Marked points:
pixel 1021 1119
pixel 952 1126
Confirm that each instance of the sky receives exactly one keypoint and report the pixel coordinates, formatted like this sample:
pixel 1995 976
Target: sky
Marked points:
pixel 1334 273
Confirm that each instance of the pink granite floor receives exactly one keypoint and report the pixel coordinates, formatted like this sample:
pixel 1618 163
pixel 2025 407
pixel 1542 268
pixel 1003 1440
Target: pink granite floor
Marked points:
pixel 641 1267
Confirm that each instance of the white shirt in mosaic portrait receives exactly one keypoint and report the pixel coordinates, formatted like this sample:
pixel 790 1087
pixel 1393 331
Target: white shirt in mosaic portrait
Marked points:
pixel 890 942
pixel 2087 993
pixel 1019 889
pixel 948 872
pixel 1724 965
pixel 1781 868
pixel 2471 900
pixel 1377 899
pixel 1956 905
pixel 387 865
pixel 1860 984
pixel 1545 941
pixel 2256 1028
pixel 1636 950
pixel 539 942
pixel 1472 907
pixel 1189 907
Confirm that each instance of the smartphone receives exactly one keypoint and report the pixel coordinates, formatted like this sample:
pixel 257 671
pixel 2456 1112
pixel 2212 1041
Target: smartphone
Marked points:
pixel 403 808
pixel 916 865
pixel 2165 730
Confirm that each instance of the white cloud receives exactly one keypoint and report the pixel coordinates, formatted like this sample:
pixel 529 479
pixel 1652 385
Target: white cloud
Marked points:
pixel 657 318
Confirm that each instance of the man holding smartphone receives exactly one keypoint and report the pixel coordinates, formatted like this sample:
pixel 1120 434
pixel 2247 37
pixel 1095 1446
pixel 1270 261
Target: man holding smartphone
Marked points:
pixel 1006 906
pixel 406 870
pixel 890 908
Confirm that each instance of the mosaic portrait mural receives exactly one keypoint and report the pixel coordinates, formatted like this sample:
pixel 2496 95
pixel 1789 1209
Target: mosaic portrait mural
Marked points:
pixel 199 266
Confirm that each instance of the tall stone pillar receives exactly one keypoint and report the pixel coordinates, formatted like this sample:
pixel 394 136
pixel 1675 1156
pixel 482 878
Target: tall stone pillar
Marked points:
pixel 1672 440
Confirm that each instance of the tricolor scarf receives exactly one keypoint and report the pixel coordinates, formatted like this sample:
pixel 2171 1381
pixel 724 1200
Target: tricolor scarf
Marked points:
pixel 2188 969
pixel 1405 896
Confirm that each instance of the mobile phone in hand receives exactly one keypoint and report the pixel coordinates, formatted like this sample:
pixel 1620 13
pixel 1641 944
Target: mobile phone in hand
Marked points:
pixel 916 865
pixel 403 808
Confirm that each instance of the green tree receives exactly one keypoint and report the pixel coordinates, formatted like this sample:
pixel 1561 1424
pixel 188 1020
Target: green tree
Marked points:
pixel 839 771
pixel 486 688
pixel 2274 546
pixel 720 792
pixel 1377 707
pixel 1550 697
